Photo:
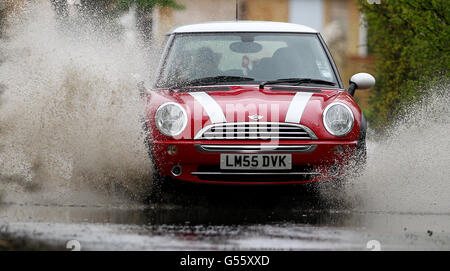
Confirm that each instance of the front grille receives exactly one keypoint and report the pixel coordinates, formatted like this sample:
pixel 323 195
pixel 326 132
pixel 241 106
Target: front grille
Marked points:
pixel 214 173
pixel 256 131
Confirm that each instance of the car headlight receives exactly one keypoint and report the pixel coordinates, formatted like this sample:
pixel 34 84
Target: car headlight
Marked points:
pixel 171 119
pixel 338 119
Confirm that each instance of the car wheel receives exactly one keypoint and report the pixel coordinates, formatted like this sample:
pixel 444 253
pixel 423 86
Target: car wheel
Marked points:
pixel 158 182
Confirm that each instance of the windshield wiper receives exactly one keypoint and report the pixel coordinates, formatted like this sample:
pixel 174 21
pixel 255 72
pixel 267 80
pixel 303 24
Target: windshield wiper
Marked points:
pixel 211 81
pixel 297 81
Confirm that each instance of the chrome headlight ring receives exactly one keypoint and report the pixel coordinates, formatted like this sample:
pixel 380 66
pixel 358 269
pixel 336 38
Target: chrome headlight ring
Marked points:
pixel 161 124
pixel 349 115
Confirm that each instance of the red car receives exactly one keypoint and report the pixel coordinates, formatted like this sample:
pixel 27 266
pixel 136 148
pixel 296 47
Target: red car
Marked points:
pixel 252 103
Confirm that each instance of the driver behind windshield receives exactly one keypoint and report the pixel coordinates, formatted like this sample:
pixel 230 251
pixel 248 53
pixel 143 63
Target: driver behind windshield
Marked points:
pixel 206 63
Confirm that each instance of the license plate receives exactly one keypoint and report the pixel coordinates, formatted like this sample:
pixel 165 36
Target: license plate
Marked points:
pixel 256 161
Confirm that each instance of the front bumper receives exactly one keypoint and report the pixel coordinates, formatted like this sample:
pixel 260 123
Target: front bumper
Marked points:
pixel 312 161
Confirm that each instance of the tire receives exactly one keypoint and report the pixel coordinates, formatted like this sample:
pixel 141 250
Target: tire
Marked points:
pixel 158 182
pixel 361 148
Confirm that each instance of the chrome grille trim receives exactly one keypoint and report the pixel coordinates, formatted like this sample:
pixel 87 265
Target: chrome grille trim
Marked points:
pixel 255 148
pixel 198 173
pixel 255 131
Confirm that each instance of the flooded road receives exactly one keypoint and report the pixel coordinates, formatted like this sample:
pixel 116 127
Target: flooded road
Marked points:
pixel 263 220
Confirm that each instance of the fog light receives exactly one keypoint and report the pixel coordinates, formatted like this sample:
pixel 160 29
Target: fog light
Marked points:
pixel 338 149
pixel 176 170
pixel 172 149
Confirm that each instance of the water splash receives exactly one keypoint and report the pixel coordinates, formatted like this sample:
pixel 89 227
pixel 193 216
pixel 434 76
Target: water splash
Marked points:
pixel 70 111
pixel 408 167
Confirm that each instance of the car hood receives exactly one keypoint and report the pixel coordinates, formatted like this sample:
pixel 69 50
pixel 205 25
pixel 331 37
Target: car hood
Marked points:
pixel 218 104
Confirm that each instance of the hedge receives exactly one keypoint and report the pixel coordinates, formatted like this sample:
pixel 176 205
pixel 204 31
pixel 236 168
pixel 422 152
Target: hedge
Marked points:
pixel 410 39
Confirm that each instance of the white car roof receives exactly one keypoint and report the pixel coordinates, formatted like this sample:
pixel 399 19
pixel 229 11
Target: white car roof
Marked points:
pixel 242 26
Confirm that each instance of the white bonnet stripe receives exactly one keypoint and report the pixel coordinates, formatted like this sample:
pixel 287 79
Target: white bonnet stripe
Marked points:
pixel 211 107
pixel 297 106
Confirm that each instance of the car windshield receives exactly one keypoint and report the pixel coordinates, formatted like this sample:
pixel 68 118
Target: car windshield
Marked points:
pixel 244 58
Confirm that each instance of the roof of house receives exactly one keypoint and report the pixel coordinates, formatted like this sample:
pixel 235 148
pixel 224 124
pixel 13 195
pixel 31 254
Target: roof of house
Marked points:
pixel 243 26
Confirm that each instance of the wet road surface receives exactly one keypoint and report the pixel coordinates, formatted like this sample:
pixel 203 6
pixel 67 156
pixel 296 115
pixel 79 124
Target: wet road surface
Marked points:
pixel 226 219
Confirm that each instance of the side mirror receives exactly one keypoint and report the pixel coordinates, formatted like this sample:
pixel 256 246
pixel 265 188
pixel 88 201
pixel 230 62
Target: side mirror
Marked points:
pixel 361 81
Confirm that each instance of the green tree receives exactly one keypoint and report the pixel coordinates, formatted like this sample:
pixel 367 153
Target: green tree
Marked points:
pixel 411 41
